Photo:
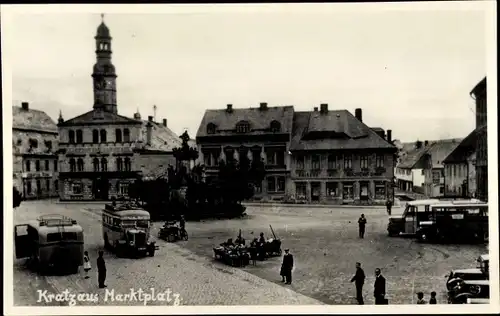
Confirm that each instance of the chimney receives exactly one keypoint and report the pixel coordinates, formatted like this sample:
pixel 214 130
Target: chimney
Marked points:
pixel 263 106
pixel 149 131
pixel 165 122
pixel 25 106
pixel 418 144
pixel 359 114
pixel 137 116
pixel 324 108
pixel 315 109
pixel 389 136
pixel 426 143
pixel 150 118
pixel 229 108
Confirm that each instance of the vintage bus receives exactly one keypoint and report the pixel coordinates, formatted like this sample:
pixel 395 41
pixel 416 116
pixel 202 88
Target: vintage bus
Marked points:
pixel 50 242
pixel 446 221
pixel 126 230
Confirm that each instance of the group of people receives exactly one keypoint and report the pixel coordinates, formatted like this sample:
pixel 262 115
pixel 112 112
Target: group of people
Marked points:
pixel 421 300
pixel 101 268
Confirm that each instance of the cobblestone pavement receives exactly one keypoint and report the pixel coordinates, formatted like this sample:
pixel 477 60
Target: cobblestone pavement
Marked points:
pixel 196 279
pixel 326 245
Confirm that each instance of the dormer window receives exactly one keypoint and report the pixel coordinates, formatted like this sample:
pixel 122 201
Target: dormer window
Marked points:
pixel 243 127
pixel 211 128
pixel 275 126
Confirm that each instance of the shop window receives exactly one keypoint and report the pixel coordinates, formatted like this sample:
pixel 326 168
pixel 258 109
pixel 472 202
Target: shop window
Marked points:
pixel 300 190
pixel 348 192
pixel 332 189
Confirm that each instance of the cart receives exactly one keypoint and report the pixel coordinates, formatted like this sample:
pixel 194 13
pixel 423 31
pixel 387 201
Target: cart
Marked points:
pixel 272 247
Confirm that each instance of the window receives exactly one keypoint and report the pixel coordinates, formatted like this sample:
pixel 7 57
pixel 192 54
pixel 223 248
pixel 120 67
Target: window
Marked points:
pixel 47 165
pixel 118 135
pixel 123 188
pixel 28 165
pixel 436 177
pixel 56 185
pixel 72 165
pixel 315 162
pixel 80 164
pixel 48 145
pixel 103 136
pixel 332 162
pixel 79 136
pixel 28 187
pixel 95 136
pixel 348 192
pixel 379 161
pixel 33 143
pixel 275 126
pixel 211 128
pixel 258 187
pixel 364 162
pixel 300 162
pixel 347 162
pixel 55 165
pixel 38 187
pixel 441 190
pixel 47 185
pixel 332 189
pixel 271 184
pixel 229 152
pixel 119 164
pixel 76 188
pixel 379 190
pixel 423 172
pixel 126 135
pixel 95 162
pixel 37 165
pixel 276 184
pixel 275 156
pixel 280 184
pixel 300 190
pixel 104 164
pixel 454 172
pixel 243 127
pixel 71 135
pixel 19 142
pixel 54 237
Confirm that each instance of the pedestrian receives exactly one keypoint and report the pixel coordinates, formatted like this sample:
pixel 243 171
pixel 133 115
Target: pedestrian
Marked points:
pixel 379 288
pixel 388 204
pixel 359 279
pixel 86 264
pixel 420 298
pixel 253 251
pixel 101 270
pixel 262 247
pixel 433 298
pixel 362 224
pixel 287 267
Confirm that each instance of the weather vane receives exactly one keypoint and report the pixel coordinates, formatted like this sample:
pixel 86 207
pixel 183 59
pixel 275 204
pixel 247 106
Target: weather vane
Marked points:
pixel 102 17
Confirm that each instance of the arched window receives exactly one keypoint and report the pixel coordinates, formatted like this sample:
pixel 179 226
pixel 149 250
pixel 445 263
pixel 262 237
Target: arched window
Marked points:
pixel 275 126
pixel 71 136
pixel 118 135
pixel 72 165
pixel 119 164
pixel 104 164
pixel 95 136
pixel 243 127
pixel 211 128
pixel 128 164
pixel 79 136
pixel 95 162
pixel 103 136
pixel 79 164
pixel 126 135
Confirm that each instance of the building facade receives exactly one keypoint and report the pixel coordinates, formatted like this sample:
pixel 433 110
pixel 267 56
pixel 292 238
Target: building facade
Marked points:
pixel 480 96
pixel 34 147
pixel 409 173
pixel 102 152
pixel 337 159
pixel 257 133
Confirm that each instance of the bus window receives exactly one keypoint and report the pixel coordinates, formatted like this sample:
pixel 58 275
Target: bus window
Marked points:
pixel 143 223
pixel 53 237
pixel 69 236
pixel 427 208
pixel 128 223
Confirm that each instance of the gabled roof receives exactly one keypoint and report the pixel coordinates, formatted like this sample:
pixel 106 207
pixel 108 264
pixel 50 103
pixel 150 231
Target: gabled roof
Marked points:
pixel 438 150
pixel 463 150
pixel 162 137
pixel 337 129
pixel 260 120
pixel 32 119
pixel 412 157
pixel 100 117
pixel 480 87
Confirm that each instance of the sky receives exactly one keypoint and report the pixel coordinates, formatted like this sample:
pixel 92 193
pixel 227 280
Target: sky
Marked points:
pixel 409 70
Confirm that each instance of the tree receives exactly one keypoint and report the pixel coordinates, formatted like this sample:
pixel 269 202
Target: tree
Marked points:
pixel 17 198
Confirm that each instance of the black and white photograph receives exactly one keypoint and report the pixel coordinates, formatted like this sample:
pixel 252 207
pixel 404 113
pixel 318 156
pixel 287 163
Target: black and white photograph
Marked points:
pixel 288 157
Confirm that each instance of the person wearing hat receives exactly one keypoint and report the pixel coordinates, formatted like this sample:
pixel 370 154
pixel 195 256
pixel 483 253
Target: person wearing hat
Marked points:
pixel 287 267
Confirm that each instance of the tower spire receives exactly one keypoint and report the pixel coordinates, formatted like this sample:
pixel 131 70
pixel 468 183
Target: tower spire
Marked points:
pixel 102 17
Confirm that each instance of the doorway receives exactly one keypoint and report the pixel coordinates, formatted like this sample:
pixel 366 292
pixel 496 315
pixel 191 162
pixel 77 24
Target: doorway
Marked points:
pixel 315 191
pixel 101 189
pixel 363 192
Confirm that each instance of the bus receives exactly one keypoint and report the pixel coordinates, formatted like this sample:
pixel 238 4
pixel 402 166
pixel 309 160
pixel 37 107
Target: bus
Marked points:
pixel 126 230
pixel 447 221
pixel 50 242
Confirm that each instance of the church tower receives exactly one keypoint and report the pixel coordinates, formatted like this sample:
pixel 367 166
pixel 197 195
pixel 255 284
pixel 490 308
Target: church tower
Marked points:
pixel 104 75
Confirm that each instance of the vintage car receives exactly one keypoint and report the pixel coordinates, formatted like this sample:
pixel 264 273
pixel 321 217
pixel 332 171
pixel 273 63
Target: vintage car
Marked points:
pixel 470 289
pixel 481 272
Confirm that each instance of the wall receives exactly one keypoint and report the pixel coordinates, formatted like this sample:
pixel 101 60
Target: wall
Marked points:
pixel 418 177
pixel 471 177
pixel 455 175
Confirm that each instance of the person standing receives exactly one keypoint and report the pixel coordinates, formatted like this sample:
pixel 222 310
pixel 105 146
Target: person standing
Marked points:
pixel 433 298
pixel 262 247
pixel 86 264
pixel 388 204
pixel 101 270
pixel 362 225
pixel 359 281
pixel 420 298
pixel 287 266
pixel 379 288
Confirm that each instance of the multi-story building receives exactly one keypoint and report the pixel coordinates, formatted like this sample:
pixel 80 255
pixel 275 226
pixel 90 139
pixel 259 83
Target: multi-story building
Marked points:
pixel 102 152
pixel 337 159
pixel 257 133
pixel 480 95
pixel 460 169
pixel 34 146
pixel 409 172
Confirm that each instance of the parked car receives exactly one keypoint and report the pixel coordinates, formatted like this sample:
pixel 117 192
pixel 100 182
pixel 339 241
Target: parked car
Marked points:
pixel 481 272
pixel 471 289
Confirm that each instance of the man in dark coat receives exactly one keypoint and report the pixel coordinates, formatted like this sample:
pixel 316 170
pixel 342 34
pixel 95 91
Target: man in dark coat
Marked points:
pixel 362 224
pixel 379 288
pixel 101 270
pixel 359 279
pixel 287 266
pixel 261 247
pixel 388 204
